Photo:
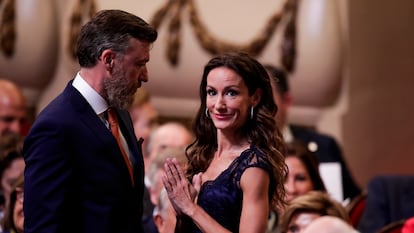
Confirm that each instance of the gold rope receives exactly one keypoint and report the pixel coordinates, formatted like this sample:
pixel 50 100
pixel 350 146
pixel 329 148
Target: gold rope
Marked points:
pixel 83 10
pixel 289 40
pixel 173 40
pixel 214 45
pixel 8 28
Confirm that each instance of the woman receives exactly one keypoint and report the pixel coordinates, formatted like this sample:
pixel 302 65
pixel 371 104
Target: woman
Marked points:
pixel 303 176
pixel 236 162
pixel 303 173
pixel 14 216
pixel 308 207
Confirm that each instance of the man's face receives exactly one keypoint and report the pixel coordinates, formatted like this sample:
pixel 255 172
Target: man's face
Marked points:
pixel 283 103
pixel 12 112
pixel 129 71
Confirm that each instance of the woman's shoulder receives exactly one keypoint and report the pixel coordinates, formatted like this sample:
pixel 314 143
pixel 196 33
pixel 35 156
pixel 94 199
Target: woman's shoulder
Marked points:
pixel 255 157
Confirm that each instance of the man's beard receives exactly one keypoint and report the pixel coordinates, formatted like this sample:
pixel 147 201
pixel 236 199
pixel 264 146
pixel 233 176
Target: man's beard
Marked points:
pixel 118 90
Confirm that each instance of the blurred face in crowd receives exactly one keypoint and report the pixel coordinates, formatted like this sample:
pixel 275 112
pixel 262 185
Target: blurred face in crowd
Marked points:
pixel 145 119
pixel 168 135
pixel 18 215
pixel 298 181
pixel 164 216
pixel 300 221
pixel 283 102
pixel 12 108
pixel 10 176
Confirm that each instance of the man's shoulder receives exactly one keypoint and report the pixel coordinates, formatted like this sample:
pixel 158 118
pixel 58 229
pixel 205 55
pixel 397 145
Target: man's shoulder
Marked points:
pixel 308 134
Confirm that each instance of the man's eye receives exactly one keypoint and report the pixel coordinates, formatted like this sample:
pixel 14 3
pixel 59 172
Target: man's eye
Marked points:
pixel 7 119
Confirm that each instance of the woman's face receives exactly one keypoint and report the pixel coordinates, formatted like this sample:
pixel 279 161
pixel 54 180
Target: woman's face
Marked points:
pixel 10 176
pixel 228 99
pixel 18 216
pixel 298 181
pixel 300 221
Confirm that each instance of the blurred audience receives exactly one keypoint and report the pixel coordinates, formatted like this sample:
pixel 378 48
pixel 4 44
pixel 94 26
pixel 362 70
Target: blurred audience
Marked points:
pixel 389 199
pixel 308 207
pixel 14 217
pixel 11 165
pixel 13 109
pixel 144 117
pixel 329 224
pixel 303 176
pixel 164 214
pixel 325 147
pixel 168 134
pixel 156 169
pixel 303 173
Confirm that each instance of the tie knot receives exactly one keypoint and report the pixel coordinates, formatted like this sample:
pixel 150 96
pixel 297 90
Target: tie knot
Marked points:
pixel 111 115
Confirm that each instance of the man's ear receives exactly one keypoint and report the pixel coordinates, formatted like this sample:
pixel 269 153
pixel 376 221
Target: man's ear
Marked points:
pixel 158 220
pixel 107 58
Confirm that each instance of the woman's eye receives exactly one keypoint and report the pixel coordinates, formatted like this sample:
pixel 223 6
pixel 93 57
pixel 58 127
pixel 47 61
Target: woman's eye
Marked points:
pixel 211 92
pixel 232 93
pixel 293 229
pixel 301 178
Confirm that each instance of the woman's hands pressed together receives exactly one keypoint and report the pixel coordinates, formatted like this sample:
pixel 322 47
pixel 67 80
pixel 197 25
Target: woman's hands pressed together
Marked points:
pixel 181 192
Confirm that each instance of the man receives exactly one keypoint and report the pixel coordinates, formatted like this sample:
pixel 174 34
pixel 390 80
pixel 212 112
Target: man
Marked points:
pixel 164 215
pixel 80 175
pixel 13 111
pixel 325 147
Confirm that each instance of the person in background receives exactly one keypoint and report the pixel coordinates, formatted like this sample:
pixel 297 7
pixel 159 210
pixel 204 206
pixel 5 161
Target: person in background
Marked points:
pixel 169 134
pixel 161 216
pixel 84 166
pixel 13 109
pixel 303 173
pixel 13 220
pixel 325 147
pixel 329 224
pixel 145 118
pixel 303 177
pixel 156 170
pixel 304 209
pixel 11 167
pixel 164 214
pixel 236 163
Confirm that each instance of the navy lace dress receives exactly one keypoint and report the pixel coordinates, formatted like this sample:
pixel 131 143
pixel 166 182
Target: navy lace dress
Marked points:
pixel 222 198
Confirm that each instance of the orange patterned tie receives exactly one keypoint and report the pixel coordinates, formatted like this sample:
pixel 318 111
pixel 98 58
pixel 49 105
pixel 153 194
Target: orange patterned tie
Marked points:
pixel 113 123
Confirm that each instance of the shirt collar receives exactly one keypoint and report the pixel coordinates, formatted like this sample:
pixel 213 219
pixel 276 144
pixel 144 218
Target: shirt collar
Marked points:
pixel 97 102
pixel 287 134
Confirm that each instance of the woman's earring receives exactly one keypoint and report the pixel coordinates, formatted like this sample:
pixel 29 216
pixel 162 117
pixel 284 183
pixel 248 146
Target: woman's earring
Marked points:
pixel 207 115
pixel 251 113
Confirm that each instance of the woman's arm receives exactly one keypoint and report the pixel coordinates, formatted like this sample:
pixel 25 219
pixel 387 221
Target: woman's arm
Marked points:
pixel 256 205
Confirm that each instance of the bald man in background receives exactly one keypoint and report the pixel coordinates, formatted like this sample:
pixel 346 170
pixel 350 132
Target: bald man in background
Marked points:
pixel 13 109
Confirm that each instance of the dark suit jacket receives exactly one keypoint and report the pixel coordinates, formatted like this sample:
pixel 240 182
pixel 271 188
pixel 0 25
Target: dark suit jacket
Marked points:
pixel 76 179
pixel 328 151
pixel 389 198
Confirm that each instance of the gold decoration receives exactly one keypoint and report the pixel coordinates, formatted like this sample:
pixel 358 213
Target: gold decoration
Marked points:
pixel 289 40
pixel 8 27
pixel 83 11
pixel 214 45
